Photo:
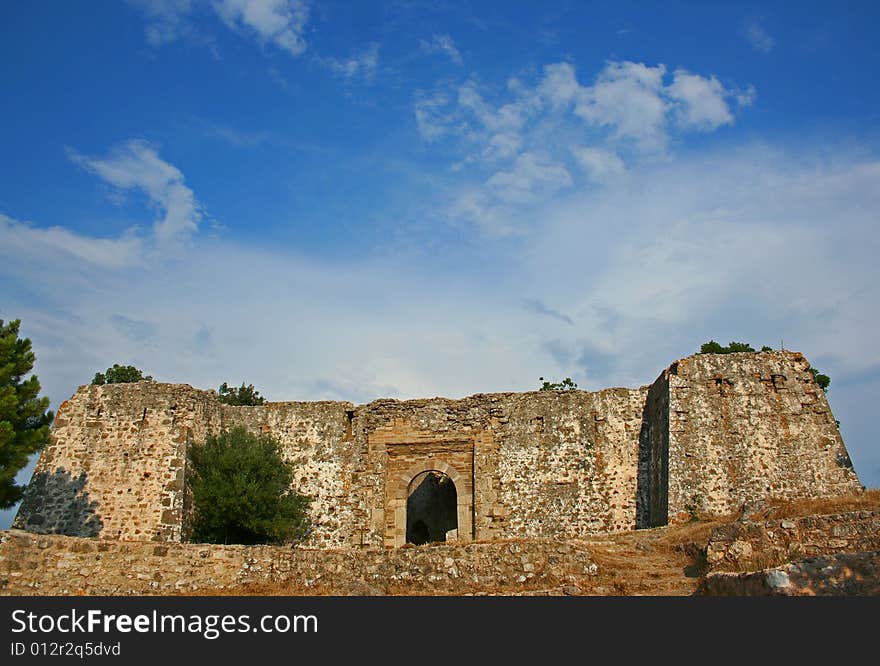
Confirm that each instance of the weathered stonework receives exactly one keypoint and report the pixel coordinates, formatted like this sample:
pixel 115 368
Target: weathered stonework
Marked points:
pixel 838 575
pixel 745 427
pixel 116 462
pixel 752 545
pixel 711 433
pixel 58 565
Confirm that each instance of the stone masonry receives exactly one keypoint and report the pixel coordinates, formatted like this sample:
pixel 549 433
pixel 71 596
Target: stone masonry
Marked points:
pixel 712 432
pixel 59 565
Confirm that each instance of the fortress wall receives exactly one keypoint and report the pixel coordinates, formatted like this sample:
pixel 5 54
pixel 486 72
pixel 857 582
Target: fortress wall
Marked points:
pixel 115 463
pixel 748 426
pixel 545 464
pixel 567 462
pixel 720 429
pixel 457 437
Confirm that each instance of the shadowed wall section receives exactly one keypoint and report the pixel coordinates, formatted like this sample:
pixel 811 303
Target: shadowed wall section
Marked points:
pixel 56 503
pixel 125 447
pixel 653 486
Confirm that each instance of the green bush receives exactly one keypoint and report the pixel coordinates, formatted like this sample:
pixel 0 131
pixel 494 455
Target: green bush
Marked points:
pixel 695 508
pixel 243 395
pixel 241 491
pixel 120 374
pixel 824 381
pixel 565 385
pixel 712 347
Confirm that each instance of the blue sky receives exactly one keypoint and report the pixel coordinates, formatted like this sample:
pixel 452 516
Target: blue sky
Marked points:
pixel 338 200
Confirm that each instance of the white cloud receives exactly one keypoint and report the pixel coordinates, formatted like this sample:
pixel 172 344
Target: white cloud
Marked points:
pixel 498 128
pixel 532 177
pixel 630 110
pixel 22 241
pixel 167 19
pixel 745 97
pixel 136 165
pixel 233 136
pixel 362 66
pixel 601 165
pixel 442 44
pixel 701 101
pixel 541 140
pixel 503 145
pixel 559 85
pixel 627 97
pixel 132 165
pixel 431 120
pixel 500 206
pixel 279 21
pixel 759 38
pixel 507 117
pixel 463 112
pixel 477 206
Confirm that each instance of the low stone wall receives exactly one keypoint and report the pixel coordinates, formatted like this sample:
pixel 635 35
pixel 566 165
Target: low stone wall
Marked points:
pixel 60 565
pixel 844 574
pixel 747 546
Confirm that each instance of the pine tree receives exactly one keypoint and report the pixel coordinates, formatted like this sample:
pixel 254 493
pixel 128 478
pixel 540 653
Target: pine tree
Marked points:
pixel 24 419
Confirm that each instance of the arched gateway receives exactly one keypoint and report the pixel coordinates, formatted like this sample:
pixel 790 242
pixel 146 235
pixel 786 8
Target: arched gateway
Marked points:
pixel 431 508
pixel 429 485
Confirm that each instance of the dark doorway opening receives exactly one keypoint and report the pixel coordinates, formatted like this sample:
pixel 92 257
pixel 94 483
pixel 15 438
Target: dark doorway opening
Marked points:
pixel 431 508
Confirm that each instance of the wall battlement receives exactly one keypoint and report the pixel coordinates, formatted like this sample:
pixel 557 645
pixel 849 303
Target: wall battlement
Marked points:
pixel 712 432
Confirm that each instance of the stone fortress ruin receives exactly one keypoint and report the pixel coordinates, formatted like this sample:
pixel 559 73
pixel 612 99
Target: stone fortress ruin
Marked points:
pixel 711 433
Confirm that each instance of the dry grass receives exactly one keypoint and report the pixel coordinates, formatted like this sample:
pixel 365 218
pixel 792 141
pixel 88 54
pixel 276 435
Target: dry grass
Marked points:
pixel 868 500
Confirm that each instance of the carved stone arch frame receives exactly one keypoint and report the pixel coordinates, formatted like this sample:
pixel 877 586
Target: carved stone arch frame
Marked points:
pixel 396 492
pixel 408 454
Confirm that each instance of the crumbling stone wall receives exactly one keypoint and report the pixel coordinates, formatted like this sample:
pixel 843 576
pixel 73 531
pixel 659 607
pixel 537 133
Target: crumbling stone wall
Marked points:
pixel 713 430
pixel 115 464
pixel 838 575
pixel 749 545
pixel 58 565
pixel 568 462
pixel 748 426
pixel 544 463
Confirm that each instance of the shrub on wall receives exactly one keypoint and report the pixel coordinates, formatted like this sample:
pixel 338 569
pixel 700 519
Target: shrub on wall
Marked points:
pixel 243 395
pixel 565 385
pixel 824 381
pixel 120 374
pixel 712 347
pixel 241 491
